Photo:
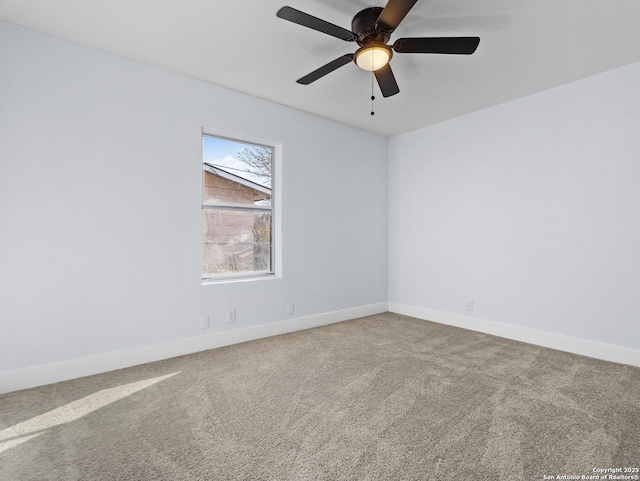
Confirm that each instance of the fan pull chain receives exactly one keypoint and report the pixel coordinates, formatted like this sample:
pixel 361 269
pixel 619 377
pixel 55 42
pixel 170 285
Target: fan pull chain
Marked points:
pixel 372 96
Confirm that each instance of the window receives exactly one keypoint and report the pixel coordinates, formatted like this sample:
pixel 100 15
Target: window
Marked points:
pixel 238 208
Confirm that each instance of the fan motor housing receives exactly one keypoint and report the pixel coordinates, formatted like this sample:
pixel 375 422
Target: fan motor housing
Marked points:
pixel 364 26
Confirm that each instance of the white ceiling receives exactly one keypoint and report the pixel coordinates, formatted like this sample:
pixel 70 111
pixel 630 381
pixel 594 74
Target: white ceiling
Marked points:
pixel 525 47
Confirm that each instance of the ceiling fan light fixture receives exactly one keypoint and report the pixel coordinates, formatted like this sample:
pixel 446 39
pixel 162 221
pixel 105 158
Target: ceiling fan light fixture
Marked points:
pixel 371 29
pixel 373 57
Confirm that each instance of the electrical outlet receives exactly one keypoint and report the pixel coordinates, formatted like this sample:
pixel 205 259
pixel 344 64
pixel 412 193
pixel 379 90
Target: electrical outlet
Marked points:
pixel 469 305
pixel 290 309
pixel 205 321
pixel 231 316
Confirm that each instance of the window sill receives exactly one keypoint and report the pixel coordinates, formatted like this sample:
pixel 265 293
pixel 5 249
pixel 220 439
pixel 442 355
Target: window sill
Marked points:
pixel 240 278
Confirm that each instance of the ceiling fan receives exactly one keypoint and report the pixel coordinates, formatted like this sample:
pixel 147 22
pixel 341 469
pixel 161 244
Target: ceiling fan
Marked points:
pixel 371 29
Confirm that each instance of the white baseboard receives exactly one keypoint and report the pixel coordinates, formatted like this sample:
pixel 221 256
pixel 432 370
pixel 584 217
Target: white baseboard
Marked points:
pixel 86 366
pixel 598 350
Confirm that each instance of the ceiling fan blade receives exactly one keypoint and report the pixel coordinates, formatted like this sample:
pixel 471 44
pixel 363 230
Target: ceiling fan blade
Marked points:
pixel 306 20
pixel 325 69
pixel 393 14
pixel 387 81
pixel 451 45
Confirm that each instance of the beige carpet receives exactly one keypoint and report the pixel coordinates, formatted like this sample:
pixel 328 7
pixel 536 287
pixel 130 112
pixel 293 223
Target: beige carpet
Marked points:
pixel 385 397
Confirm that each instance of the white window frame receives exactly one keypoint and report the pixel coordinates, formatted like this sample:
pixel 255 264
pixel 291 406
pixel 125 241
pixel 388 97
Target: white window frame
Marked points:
pixel 275 208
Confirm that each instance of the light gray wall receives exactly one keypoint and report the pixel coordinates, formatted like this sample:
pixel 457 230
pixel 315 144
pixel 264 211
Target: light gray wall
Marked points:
pixel 530 208
pixel 100 191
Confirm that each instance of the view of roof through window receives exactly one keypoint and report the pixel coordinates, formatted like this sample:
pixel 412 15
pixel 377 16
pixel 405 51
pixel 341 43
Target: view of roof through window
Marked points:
pixel 237 208
pixel 250 162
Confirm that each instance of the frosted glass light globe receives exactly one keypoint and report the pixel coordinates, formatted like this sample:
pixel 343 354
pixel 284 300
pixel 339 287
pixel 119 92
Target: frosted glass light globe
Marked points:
pixel 372 58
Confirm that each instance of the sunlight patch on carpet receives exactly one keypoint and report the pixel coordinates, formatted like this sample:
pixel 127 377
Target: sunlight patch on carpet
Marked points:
pixel 34 427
